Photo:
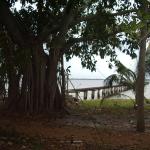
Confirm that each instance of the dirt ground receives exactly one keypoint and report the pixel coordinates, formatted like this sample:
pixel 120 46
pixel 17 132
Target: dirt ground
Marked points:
pixel 86 131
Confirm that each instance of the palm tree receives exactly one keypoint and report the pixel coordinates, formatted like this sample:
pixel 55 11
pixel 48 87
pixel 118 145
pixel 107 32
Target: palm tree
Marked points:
pixel 124 76
pixel 127 77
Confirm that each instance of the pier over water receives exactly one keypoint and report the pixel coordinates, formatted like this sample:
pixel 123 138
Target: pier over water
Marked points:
pixel 97 92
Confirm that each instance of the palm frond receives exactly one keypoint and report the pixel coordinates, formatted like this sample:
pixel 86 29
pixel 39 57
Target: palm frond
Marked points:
pixel 112 79
pixel 124 77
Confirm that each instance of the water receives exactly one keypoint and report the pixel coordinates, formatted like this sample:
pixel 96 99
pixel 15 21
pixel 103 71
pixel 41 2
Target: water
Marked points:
pixel 85 83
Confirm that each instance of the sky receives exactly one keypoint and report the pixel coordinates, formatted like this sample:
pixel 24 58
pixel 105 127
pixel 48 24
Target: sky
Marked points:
pixel 102 69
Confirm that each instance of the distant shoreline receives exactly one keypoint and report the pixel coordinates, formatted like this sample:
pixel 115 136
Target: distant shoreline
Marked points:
pixel 85 79
pixel 93 79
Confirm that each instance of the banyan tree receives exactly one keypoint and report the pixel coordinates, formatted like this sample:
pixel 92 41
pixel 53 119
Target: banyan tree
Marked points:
pixel 35 36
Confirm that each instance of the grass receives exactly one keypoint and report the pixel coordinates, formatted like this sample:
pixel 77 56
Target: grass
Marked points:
pixel 114 106
pixel 107 103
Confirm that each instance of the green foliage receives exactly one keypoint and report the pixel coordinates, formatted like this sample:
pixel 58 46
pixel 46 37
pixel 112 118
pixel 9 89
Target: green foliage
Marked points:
pixel 124 77
pixel 94 29
pixel 97 32
pixel 112 104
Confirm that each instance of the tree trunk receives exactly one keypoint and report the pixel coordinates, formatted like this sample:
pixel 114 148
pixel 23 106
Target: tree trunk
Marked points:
pixel 13 74
pixel 13 91
pixel 63 87
pixel 140 83
pixel 33 86
pixel 52 79
pixel 58 102
pixel 141 70
pixel 39 90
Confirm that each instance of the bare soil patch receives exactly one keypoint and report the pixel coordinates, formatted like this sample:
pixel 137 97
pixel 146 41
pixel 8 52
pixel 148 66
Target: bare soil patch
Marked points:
pixel 80 131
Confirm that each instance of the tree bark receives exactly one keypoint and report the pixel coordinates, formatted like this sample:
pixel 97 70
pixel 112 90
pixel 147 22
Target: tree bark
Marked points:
pixel 39 89
pixel 63 87
pixel 141 70
pixel 140 83
pixel 52 79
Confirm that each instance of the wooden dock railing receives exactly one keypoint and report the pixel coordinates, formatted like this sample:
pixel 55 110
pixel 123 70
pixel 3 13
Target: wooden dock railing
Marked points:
pixel 98 92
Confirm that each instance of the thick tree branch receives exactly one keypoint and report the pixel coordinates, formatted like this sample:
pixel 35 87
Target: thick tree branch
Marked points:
pixel 62 26
pixel 11 24
pixel 68 17
pixel 66 21
pixel 47 30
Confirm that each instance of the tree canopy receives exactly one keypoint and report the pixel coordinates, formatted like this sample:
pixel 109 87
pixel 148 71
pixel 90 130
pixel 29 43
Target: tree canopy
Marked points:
pixel 88 28
pixel 34 37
